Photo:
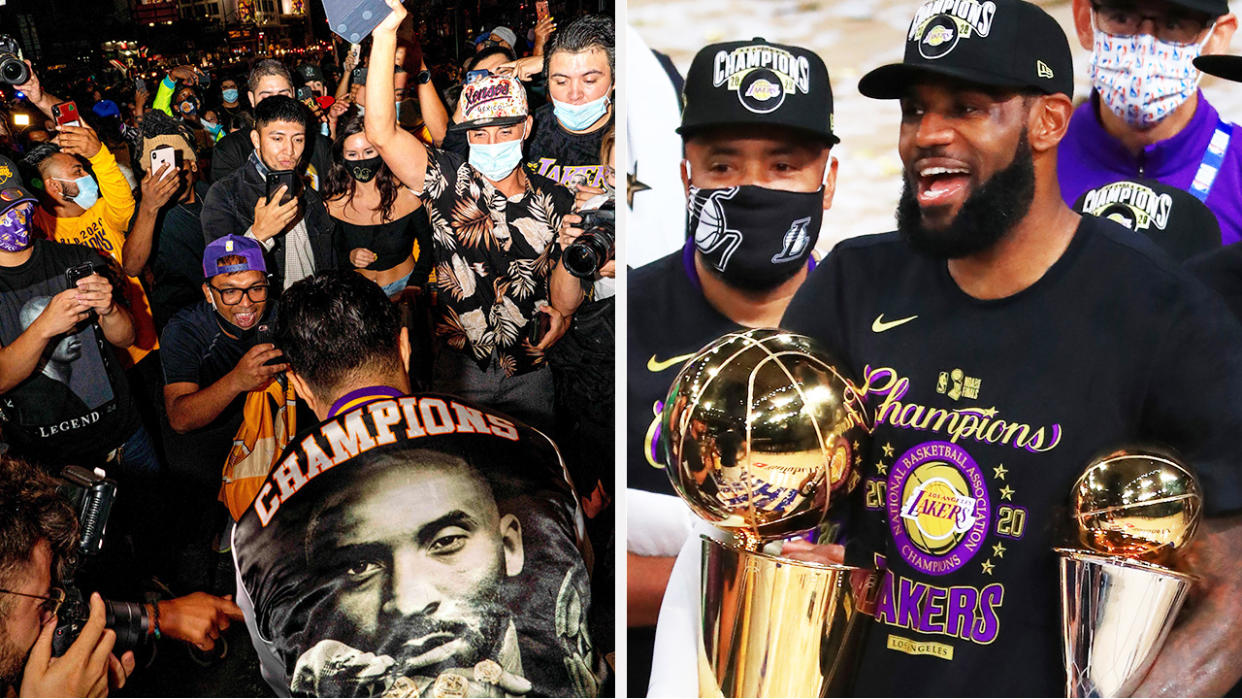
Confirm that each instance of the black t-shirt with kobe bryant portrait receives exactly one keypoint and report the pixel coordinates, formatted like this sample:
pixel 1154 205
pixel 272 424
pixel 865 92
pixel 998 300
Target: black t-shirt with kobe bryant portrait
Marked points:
pixel 986 413
pixel 419 546
pixel 76 405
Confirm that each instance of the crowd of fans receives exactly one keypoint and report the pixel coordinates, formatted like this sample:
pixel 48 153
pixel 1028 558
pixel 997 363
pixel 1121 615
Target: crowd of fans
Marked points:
pixel 145 247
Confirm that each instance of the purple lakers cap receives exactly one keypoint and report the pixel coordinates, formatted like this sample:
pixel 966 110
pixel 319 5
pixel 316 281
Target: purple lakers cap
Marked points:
pixel 233 245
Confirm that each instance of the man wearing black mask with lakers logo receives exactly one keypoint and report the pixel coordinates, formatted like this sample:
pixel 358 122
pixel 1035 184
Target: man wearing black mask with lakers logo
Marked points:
pixel 757 130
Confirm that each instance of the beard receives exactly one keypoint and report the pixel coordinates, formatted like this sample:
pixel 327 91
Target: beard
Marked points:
pixel 12 664
pixel 987 215
pixel 481 636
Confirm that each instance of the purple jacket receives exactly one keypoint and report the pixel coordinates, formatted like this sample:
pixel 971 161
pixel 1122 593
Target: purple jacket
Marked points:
pixel 1090 157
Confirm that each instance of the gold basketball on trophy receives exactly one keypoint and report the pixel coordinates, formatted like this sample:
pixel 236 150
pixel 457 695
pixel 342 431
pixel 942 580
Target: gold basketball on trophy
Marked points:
pixel 760 432
pixel 1137 503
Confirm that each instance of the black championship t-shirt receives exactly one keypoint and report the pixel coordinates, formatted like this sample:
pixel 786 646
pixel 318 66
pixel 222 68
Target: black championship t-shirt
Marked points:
pixel 76 406
pixel 669 323
pixel 986 413
pixel 420 546
pixel 562 155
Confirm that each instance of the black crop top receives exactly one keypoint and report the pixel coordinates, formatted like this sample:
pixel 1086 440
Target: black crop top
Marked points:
pixel 392 242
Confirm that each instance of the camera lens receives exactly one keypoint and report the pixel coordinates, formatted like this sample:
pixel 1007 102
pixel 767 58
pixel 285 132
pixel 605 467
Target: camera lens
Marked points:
pixel 584 257
pixel 13 71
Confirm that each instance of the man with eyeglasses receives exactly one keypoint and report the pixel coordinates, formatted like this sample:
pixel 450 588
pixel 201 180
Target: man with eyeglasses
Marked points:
pixel 39 531
pixel 1146 117
pixel 213 356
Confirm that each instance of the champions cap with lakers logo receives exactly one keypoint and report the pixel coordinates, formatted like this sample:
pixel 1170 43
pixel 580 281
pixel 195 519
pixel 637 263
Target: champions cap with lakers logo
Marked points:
pixel 755 82
pixel 996 43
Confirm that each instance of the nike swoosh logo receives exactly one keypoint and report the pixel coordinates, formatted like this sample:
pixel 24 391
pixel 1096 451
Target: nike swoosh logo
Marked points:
pixel 656 367
pixel 878 325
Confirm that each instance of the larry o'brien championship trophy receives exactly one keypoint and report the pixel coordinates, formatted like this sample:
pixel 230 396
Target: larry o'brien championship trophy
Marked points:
pixel 1134 511
pixel 759 434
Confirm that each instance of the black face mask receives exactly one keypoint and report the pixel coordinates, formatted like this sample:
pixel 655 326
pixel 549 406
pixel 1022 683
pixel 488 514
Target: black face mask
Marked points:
pixel 363 170
pixel 754 237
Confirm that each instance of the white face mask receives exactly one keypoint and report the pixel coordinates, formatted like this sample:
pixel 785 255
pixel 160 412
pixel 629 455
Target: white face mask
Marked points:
pixel 1142 79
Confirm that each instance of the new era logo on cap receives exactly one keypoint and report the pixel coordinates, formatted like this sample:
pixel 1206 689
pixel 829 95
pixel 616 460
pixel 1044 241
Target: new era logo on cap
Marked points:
pixel 1043 71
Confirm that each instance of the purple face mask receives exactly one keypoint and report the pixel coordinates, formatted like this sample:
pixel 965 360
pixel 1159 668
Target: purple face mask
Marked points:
pixel 15 227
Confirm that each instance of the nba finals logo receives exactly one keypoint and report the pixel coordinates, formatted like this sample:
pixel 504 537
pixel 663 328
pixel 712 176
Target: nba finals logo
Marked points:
pixel 938 508
pixel 939 24
pixel 761 75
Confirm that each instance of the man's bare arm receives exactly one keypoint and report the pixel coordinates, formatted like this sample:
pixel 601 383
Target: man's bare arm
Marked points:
pixel 404 154
pixel 646 578
pixel 1203 654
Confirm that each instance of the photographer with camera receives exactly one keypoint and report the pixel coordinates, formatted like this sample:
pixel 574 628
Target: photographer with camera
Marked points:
pixel 51 644
pixel 39 535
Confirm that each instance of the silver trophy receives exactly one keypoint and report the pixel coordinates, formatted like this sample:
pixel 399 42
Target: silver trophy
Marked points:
pixel 1134 511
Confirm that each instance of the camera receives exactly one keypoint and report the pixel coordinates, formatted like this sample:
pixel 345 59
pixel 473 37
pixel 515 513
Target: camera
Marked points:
pixel 597 244
pixel 13 70
pixel 92 494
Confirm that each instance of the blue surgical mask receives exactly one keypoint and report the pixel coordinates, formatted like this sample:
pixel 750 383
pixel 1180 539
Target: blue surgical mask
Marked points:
pixel 496 160
pixel 88 191
pixel 229 95
pixel 577 117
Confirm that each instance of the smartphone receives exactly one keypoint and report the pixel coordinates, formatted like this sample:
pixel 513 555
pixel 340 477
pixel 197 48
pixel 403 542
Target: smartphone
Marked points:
pixel 304 93
pixel 82 271
pixel 163 155
pixel 473 75
pixel 66 113
pixel 541 9
pixel 288 178
pixel 355 51
pixel 265 333
pixel 538 328
pixel 140 85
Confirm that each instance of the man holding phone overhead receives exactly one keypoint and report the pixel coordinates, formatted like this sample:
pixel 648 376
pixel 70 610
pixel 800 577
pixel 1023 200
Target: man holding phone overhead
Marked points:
pixel 265 200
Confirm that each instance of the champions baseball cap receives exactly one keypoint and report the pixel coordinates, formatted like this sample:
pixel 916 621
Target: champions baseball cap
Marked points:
pixel 996 43
pixel 759 83
pixel 1173 218
pixel 12 190
pixel 233 245
pixel 492 100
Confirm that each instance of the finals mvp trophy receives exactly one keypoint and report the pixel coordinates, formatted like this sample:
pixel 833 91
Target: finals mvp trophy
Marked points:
pixel 1134 511
pixel 760 433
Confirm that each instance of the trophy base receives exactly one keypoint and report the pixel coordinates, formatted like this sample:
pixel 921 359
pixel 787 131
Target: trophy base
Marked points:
pixel 1115 615
pixel 773 627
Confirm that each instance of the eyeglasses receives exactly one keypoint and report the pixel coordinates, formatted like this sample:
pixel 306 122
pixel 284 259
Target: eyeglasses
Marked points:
pixel 232 297
pixel 1174 27
pixel 50 605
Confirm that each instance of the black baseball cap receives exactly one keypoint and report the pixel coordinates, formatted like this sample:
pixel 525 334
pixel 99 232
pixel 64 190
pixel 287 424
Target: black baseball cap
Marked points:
pixel 998 43
pixel 1173 218
pixel 757 83
pixel 310 72
pixel 12 190
pixel 1221 65
pixel 1216 8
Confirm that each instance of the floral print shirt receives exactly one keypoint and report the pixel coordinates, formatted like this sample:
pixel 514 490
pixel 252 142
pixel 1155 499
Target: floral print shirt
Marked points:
pixel 493 255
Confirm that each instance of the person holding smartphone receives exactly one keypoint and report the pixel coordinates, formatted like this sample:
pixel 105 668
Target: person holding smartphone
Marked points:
pixel 267 200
